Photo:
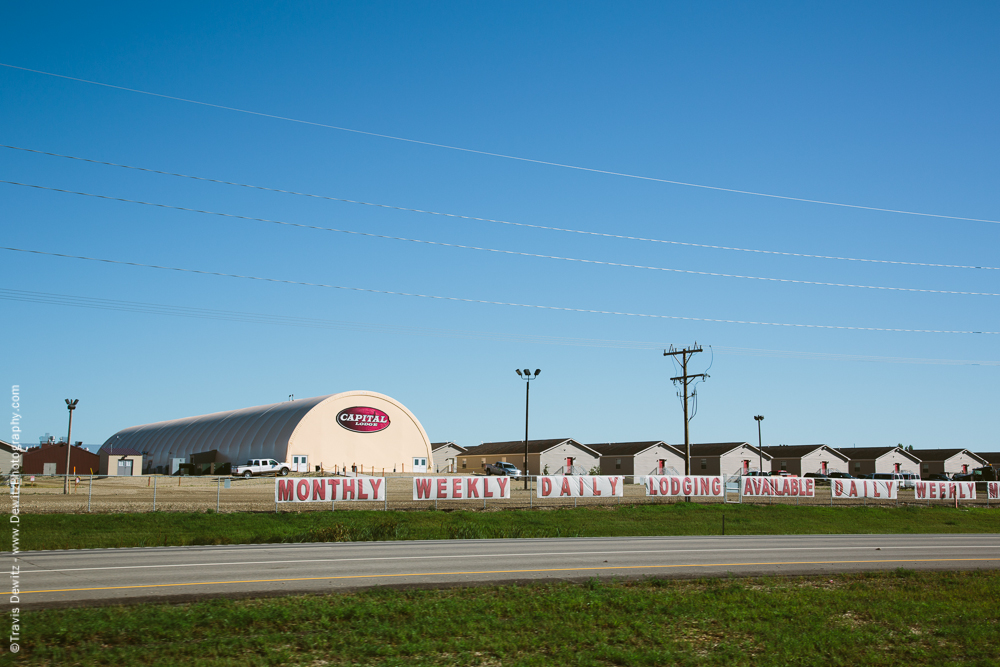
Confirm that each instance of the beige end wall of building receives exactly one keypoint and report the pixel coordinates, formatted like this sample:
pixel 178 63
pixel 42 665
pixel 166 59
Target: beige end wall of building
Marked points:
pixel 812 462
pixel 643 463
pixel 555 459
pixel 646 463
pixel 732 463
pixel 886 463
pixel 445 457
pixel 326 443
pixel 950 466
pixel 109 464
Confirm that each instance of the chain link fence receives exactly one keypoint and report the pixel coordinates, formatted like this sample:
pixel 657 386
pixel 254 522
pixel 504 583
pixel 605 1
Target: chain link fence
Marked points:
pixel 40 494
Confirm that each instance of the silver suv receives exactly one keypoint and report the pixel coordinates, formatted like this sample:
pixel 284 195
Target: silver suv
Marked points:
pixel 905 479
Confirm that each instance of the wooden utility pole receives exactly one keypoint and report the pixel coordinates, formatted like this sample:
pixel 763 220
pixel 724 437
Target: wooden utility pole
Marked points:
pixel 685 354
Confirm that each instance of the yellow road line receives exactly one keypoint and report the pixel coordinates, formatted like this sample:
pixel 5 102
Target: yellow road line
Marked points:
pixel 559 569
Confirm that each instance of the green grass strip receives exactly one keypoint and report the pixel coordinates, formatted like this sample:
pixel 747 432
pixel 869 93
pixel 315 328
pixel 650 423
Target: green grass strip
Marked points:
pixel 892 618
pixel 80 531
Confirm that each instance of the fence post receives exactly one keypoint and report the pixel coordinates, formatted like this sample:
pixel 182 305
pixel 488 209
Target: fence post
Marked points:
pixel 91 493
pixel 218 493
pixel 154 494
pixel 531 496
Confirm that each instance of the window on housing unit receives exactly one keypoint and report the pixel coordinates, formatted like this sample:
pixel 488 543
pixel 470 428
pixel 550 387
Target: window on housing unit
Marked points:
pixel 483 462
pixel 463 463
pixel 927 468
pixel 704 464
pixel 784 465
pixel 857 467
pixel 618 464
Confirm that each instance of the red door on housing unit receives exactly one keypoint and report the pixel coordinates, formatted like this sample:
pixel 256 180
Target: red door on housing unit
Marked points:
pixel 746 466
pixel 822 467
pixel 895 467
pixel 660 466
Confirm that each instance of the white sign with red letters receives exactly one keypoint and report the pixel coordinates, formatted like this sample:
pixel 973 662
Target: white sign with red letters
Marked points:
pixel 993 490
pixel 793 487
pixel 864 488
pixel 711 486
pixel 579 486
pixel 945 490
pixel 320 489
pixel 460 488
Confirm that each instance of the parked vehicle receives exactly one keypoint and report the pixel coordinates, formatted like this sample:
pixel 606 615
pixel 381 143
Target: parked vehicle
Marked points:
pixel 821 479
pixel 261 467
pixel 781 473
pixel 939 477
pixel 503 468
pixel 893 476
pixel 909 479
pixel 980 476
pixel 841 475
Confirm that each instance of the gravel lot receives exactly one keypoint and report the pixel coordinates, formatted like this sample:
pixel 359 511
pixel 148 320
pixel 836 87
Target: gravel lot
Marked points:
pixel 198 494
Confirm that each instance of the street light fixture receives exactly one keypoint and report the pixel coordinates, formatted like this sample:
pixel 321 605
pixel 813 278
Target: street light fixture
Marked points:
pixel 71 406
pixel 527 376
pixel 760 452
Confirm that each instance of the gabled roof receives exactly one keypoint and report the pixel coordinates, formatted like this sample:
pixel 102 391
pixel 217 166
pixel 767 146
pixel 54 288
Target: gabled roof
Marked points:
pixel 720 448
pixel 798 451
pixel 440 445
pixel 517 447
pixel 859 453
pixel 630 448
pixel 945 454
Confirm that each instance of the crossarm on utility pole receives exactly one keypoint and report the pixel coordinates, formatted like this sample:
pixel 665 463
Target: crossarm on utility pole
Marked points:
pixel 684 378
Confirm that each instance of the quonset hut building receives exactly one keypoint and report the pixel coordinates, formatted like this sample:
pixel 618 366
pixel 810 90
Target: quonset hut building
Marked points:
pixel 360 429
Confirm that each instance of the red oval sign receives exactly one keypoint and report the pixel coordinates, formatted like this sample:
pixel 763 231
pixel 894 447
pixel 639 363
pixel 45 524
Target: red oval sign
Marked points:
pixel 363 420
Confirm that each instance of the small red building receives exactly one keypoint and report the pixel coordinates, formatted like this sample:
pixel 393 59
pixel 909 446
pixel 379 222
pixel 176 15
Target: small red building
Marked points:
pixel 81 461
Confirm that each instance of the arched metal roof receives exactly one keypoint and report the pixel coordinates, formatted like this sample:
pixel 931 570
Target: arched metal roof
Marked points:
pixel 257 432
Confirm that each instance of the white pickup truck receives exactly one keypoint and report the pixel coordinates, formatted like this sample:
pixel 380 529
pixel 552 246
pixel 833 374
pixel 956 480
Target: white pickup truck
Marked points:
pixel 261 467
pixel 503 468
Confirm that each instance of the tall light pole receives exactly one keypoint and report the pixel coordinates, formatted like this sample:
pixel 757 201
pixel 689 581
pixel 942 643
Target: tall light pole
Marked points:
pixel 760 451
pixel 527 376
pixel 71 406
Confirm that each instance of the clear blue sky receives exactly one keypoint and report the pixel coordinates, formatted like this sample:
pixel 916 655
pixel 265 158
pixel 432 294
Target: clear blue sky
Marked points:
pixel 885 105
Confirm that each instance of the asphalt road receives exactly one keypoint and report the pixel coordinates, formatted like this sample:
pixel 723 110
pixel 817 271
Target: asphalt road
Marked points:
pixel 108 576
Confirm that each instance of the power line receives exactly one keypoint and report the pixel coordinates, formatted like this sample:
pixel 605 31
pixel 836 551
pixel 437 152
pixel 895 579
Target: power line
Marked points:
pixel 492 220
pixel 833 356
pixel 243 317
pixel 499 155
pixel 48 298
pixel 486 301
pixel 496 250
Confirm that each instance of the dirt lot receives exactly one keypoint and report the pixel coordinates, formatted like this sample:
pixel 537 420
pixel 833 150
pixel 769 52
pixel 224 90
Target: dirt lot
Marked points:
pixel 187 494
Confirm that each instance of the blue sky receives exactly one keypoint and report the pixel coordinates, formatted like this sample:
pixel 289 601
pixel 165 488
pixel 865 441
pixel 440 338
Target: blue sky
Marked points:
pixel 889 106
